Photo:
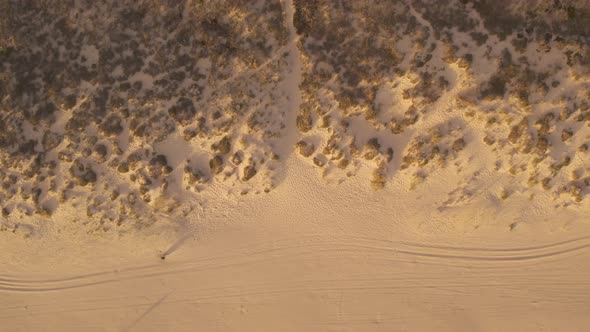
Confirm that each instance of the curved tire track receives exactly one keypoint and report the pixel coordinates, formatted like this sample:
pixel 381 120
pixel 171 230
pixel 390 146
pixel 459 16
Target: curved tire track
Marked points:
pixel 300 247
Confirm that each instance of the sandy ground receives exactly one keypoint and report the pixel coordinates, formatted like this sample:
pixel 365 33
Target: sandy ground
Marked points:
pixel 310 260
pixel 361 167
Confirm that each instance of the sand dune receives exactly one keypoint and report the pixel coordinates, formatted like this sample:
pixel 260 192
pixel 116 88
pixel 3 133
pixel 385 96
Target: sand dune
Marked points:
pixel 294 165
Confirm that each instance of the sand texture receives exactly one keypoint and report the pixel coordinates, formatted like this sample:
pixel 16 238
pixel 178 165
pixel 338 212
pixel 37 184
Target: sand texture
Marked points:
pixel 294 165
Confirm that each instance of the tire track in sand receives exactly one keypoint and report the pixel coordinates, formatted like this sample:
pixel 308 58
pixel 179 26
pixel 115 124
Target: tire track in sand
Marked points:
pixel 309 245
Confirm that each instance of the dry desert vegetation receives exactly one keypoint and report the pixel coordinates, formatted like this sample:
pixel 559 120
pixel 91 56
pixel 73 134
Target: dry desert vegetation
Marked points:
pixel 294 165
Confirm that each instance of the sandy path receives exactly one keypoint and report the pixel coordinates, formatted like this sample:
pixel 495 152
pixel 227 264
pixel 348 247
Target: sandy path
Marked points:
pixel 317 284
